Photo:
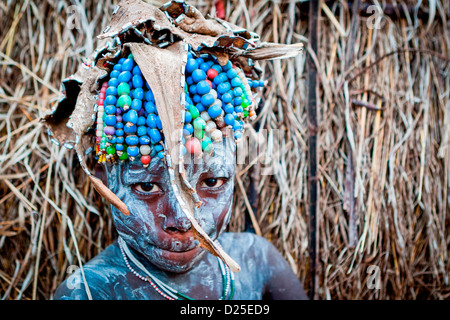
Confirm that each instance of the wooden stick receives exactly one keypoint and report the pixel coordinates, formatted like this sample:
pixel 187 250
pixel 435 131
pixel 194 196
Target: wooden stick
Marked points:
pixel 349 199
pixel 367 105
pixel 312 142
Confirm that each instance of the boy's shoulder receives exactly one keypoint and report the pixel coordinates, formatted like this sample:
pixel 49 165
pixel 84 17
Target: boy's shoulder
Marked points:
pixel 102 269
pixel 243 241
pixel 261 263
pixel 245 245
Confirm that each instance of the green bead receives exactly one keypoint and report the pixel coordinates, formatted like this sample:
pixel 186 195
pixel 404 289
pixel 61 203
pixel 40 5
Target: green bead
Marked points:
pixel 123 88
pixel 130 56
pixel 208 148
pixel 124 101
pixel 194 112
pixel 111 150
pixel 245 113
pixel 103 142
pixel 124 156
pixel 199 134
pixel 245 103
pixel 199 124
pixel 206 144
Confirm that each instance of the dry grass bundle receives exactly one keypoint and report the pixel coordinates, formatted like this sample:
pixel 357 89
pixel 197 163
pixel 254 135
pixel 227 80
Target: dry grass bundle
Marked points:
pixel 384 119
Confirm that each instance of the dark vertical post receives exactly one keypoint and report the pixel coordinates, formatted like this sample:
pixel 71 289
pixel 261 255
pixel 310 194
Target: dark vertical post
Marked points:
pixel 312 144
pixel 252 195
pixel 252 191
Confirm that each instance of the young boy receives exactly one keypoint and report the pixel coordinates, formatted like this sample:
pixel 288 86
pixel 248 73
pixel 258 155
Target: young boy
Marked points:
pixel 157 254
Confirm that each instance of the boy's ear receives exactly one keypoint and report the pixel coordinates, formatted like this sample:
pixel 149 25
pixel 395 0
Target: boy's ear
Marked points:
pixel 100 172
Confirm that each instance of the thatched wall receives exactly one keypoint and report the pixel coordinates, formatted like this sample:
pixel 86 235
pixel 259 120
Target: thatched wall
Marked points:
pixel 383 132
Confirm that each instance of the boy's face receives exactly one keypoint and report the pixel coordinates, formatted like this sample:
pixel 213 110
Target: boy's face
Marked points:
pixel 157 227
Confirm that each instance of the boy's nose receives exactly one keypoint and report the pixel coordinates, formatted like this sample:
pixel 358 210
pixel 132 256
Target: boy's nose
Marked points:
pixel 176 220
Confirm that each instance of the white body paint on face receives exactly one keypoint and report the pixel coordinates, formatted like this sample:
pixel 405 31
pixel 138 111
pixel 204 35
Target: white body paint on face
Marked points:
pixel 157 227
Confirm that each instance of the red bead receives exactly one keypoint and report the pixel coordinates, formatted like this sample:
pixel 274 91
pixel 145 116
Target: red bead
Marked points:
pixel 100 102
pixel 220 9
pixel 193 146
pixel 145 159
pixel 211 73
pixel 101 95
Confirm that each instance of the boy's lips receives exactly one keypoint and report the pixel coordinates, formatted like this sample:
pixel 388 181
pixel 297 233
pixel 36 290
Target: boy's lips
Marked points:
pixel 178 257
pixel 176 250
pixel 176 246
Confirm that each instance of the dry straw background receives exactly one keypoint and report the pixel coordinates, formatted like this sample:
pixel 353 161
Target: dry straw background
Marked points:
pixel 384 127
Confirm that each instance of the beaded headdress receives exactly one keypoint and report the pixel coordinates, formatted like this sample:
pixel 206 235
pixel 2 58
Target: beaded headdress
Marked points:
pixel 168 82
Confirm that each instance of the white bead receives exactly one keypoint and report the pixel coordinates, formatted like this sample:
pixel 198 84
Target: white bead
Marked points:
pixel 248 90
pixel 214 93
pixel 210 126
pixel 205 116
pixel 145 149
pixel 216 135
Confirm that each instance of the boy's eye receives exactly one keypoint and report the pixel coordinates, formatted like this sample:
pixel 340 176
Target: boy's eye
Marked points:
pixel 146 187
pixel 213 182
